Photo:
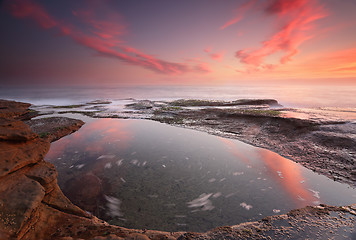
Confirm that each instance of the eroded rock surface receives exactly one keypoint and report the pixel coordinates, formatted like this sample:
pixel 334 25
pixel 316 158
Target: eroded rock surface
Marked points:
pixel 326 147
pixel 15 110
pixel 322 222
pixel 27 183
pixel 33 207
pixel 53 128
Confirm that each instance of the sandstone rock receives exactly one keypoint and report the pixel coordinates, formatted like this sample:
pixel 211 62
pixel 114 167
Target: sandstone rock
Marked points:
pixel 17 155
pixel 136 236
pixel 55 224
pixel 20 197
pixel 12 109
pixel 57 200
pixel 109 237
pixel 45 173
pixel 16 131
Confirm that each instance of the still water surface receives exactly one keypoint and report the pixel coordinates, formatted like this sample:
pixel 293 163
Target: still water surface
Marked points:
pixel 144 174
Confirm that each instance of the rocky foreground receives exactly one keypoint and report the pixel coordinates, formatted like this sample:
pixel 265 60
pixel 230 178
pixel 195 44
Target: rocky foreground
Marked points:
pixel 32 206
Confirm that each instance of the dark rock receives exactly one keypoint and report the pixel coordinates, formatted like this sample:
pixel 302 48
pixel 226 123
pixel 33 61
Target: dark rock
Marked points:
pixel 270 102
pixel 54 128
pixel 210 103
pixel 141 105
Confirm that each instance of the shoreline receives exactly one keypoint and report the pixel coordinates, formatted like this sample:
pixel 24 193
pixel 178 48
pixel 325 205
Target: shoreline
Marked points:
pixel 318 141
pixel 46 212
pixel 325 146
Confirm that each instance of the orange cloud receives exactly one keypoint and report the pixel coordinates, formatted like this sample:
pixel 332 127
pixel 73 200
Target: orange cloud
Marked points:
pixel 321 67
pixel 296 18
pixel 329 64
pixel 102 36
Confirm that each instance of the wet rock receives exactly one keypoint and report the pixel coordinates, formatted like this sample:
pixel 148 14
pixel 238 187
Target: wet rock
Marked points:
pixel 335 140
pixel 95 102
pixel 54 128
pixel 141 105
pixel 211 103
pixel 321 222
pixel 270 102
pixel 85 191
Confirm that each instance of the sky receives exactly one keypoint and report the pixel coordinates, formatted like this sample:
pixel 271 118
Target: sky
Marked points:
pixel 166 42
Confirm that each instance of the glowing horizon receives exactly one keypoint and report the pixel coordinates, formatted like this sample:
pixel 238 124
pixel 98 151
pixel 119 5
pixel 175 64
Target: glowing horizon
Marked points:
pixel 178 43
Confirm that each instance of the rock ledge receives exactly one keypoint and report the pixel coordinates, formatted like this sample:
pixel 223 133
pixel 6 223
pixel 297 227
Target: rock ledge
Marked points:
pixel 32 206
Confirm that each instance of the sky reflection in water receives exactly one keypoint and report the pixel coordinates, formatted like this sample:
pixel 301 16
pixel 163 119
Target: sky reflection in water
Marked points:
pixel 144 174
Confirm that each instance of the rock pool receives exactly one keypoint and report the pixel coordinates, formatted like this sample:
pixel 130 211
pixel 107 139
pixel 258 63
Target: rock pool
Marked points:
pixel 145 174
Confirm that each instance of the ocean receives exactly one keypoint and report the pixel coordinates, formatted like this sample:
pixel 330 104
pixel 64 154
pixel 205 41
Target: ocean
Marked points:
pixel 289 96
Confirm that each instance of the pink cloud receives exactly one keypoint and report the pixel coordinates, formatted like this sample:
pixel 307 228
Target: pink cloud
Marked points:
pixel 102 36
pixel 217 56
pixel 296 18
pixel 203 68
pixel 29 9
pixel 107 27
pixel 200 66
pixel 208 49
pixel 231 22
pixel 239 14
pixel 282 7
